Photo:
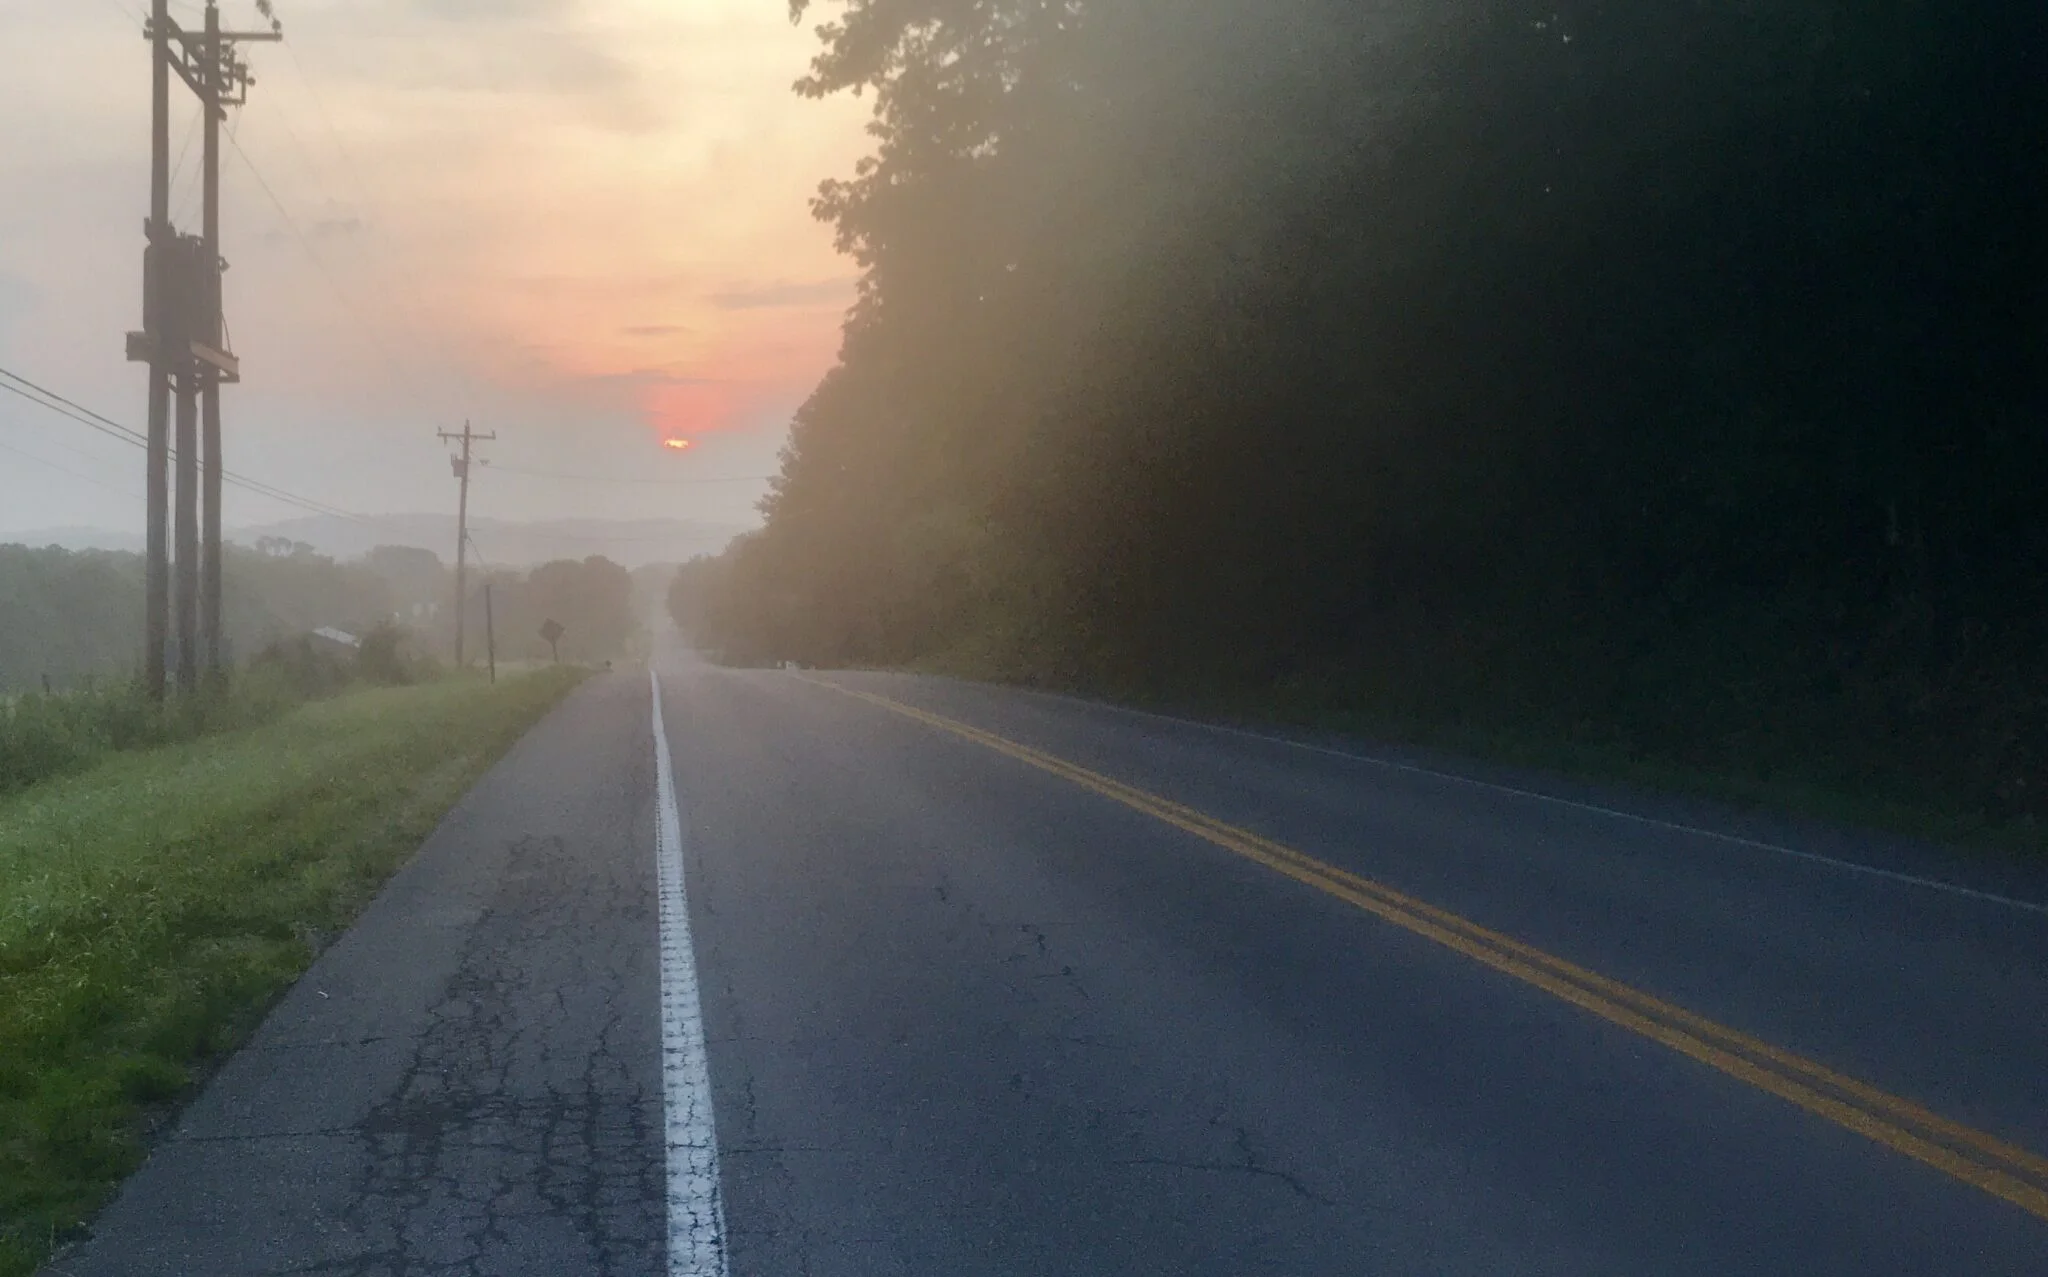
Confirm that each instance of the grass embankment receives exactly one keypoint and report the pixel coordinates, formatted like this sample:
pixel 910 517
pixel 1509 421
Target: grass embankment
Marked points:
pixel 43 736
pixel 153 906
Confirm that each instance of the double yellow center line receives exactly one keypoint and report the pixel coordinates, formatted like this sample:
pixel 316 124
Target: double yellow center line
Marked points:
pixel 2001 1169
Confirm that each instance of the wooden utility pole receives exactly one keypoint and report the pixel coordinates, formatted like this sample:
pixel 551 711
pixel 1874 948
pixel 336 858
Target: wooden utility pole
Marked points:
pixel 217 60
pixel 461 465
pixel 185 501
pixel 155 255
pixel 183 341
pixel 490 633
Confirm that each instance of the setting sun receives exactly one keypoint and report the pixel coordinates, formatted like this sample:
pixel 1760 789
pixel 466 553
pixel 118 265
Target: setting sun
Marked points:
pixel 677 444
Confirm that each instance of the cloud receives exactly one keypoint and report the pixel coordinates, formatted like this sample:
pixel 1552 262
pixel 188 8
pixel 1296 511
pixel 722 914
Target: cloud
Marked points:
pixel 655 330
pixel 768 296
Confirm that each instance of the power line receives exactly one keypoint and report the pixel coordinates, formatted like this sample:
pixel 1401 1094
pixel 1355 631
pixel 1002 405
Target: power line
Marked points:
pixel 603 478
pixel 76 474
pixel 54 402
pixel 111 429
pixel 83 453
pixel 466 391
pixel 139 19
pixel 589 539
pixel 291 223
pixel 114 430
pixel 185 148
pixel 362 324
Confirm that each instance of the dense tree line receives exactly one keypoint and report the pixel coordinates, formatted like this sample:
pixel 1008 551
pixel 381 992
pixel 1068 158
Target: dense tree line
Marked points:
pixel 591 599
pixel 73 615
pixel 1672 376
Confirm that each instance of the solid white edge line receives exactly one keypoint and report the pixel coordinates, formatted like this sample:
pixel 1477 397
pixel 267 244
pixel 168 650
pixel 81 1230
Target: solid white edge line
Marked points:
pixel 696 1207
pixel 1757 844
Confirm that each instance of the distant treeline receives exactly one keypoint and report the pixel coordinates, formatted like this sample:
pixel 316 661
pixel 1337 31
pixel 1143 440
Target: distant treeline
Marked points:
pixel 1672 377
pixel 73 615
pixel 70 616
pixel 591 599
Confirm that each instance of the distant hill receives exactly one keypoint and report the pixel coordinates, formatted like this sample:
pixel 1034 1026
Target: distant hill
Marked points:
pixel 632 543
pixel 79 538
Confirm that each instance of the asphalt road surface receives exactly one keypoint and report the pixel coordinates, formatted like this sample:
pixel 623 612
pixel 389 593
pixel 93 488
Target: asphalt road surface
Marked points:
pixel 887 975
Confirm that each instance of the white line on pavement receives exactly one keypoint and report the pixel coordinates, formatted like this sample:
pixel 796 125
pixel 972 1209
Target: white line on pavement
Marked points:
pixel 696 1209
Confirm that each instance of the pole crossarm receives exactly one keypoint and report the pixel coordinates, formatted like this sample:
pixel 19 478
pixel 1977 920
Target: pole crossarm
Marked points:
pixel 196 49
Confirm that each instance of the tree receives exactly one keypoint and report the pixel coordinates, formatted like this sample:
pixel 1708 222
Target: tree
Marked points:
pixel 1556 366
pixel 417 577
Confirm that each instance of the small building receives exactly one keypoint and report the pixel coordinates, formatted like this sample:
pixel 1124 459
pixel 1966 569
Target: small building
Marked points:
pixel 336 640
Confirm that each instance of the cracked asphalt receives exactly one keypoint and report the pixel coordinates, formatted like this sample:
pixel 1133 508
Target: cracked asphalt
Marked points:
pixel 468 1082
pixel 965 1017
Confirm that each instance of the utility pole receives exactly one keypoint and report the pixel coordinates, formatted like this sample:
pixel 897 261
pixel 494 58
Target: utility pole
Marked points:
pixel 217 60
pixel 461 464
pixel 183 342
pixel 157 232
pixel 185 502
pixel 490 636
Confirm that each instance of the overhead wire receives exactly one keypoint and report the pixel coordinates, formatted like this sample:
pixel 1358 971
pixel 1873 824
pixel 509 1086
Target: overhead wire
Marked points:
pixel 466 390
pixel 138 17
pixel 602 478
pixel 184 149
pixel 292 224
pixel 367 330
pixel 54 402
pixel 76 474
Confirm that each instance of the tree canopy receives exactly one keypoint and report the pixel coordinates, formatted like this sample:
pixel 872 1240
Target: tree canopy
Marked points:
pixel 1582 363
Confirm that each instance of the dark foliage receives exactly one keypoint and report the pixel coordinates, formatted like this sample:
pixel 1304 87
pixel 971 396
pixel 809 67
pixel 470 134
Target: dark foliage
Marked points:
pixel 591 599
pixel 1667 377
pixel 68 616
pixel 390 656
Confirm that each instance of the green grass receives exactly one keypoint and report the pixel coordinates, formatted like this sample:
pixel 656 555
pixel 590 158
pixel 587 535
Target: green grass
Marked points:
pixel 152 907
pixel 42 736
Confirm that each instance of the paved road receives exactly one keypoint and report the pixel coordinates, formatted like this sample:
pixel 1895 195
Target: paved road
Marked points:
pixel 997 983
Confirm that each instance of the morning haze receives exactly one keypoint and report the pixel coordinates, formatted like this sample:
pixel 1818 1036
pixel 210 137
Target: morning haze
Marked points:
pixel 581 224
pixel 1388 637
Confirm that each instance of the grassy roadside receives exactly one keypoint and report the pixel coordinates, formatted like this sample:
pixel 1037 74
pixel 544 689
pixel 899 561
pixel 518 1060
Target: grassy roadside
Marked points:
pixel 153 906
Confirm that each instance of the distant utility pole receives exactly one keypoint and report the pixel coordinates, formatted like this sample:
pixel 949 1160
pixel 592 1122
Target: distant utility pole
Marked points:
pixel 183 341
pixel 461 464
pixel 490 635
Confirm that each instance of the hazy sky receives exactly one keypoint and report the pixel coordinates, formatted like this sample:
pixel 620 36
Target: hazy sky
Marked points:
pixel 580 223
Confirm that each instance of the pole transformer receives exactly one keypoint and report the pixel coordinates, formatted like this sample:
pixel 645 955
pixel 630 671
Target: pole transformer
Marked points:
pixel 462 468
pixel 184 342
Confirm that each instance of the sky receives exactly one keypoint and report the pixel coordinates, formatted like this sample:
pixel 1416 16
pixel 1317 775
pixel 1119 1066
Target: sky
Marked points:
pixel 583 225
